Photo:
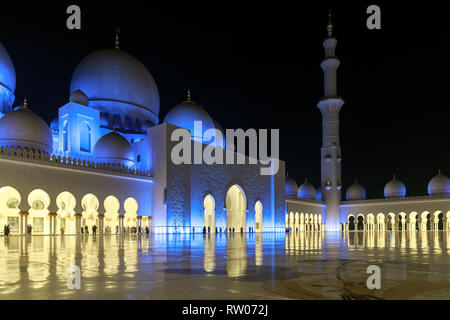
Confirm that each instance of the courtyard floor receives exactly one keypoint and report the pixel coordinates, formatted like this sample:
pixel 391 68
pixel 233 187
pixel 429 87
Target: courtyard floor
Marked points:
pixel 311 265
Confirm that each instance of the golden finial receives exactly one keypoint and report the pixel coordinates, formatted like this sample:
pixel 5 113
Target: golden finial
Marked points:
pixel 189 95
pixel 394 176
pixel 117 38
pixel 114 127
pixel 330 24
pixel 440 171
pixel 25 103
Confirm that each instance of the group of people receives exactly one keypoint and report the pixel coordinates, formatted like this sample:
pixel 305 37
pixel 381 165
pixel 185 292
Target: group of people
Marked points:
pixel 230 230
pixel 85 230
pixel 7 230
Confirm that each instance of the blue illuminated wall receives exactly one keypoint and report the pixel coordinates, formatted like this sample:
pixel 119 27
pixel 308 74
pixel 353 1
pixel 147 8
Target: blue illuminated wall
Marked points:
pixel 179 203
pixel 79 129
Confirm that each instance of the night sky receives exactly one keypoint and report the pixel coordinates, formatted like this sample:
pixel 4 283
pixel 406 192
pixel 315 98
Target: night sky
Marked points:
pixel 259 67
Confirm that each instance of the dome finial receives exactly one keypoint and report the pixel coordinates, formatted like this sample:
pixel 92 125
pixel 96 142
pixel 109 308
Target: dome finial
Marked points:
pixel 25 103
pixel 189 95
pixel 117 38
pixel 440 171
pixel 394 176
pixel 330 24
pixel 114 127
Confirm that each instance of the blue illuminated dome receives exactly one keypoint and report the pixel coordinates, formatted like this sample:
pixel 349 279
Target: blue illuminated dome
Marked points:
pixel 114 148
pixel 439 184
pixel 23 128
pixel 306 191
pixel 117 83
pixel 186 113
pixel 355 192
pixel 291 187
pixel 7 81
pixel 394 188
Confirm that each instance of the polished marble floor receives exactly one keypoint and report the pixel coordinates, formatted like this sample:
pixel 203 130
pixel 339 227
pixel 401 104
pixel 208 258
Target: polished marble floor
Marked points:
pixel 311 265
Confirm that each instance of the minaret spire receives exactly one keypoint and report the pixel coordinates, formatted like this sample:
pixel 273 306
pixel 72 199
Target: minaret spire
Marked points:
pixel 189 95
pixel 330 25
pixel 331 155
pixel 117 39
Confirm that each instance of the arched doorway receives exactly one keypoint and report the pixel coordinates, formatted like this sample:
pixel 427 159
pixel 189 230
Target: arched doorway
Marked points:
pixel 259 219
pixel 89 218
pixel 111 220
pixel 65 220
pixel 360 221
pixel 351 223
pixel 39 200
pixel 236 205
pixel 9 209
pixel 130 219
pixel 209 214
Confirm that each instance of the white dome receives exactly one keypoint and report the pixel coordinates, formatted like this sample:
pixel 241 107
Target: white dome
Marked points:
pixel 7 71
pixel 439 184
pixel 23 128
pixel 118 83
pixel 79 97
pixel 114 148
pixel 394 188
pixel 7 82
pixel 356 192
pixel 306 191
pixel 185 114
pixel 291 187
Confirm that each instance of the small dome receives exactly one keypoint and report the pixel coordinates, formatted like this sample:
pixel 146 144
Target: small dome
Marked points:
pixel 54 125
pixel 23 128
pixel 186 113
pixel 79 97
pixel 394 188
pixel 356 192
pixel 439 184
pixel 306 191
pixel 7 71
pixel 114 148
pixel 319 194
pixel 116 81
pixel 291 187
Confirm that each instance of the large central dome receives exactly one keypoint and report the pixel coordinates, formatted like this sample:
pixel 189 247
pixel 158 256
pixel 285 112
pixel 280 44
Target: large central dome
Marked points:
pixel 117 83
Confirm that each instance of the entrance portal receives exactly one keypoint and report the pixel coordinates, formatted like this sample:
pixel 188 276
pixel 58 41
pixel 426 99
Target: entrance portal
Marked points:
pixel 259 220
pixel 236 205
pixel 209 214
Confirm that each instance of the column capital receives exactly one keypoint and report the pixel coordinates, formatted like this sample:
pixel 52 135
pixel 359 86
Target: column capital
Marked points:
pixel 101 216
pixel 52 214
pixel 78 215
pixel 24 213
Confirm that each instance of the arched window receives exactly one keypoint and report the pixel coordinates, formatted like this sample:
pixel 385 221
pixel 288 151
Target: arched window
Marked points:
pixel 65 136
pixel 85 137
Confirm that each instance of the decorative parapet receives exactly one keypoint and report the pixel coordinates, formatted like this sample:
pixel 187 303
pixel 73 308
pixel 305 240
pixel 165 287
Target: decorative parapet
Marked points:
pixel 63 161
pixel 442 196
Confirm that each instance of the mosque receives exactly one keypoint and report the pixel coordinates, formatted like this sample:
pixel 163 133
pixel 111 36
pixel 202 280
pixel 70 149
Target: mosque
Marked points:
pixel 105 161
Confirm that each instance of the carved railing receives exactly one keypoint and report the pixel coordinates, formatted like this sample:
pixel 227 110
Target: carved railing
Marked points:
pixel 66 161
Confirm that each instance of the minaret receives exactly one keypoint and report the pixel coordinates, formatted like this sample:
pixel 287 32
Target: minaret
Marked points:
pixel 331 155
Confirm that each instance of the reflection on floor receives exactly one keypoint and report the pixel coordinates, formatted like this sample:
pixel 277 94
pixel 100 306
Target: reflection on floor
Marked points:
pixel 311 265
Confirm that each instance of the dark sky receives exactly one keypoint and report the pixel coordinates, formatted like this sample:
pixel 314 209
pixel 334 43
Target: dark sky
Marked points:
pixel 258 67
